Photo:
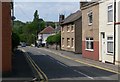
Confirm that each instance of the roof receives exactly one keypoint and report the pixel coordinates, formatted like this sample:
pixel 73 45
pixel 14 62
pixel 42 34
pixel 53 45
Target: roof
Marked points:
pixel 47 30
pixel 73 17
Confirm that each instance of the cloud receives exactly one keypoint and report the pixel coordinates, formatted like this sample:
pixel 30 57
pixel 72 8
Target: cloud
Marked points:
pixel 47 10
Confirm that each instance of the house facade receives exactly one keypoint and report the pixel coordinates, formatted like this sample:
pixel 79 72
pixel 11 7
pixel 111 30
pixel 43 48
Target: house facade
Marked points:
pixel 90 30
pixel 109 31
pixel 5 37
pixel 42 36
pixel 71 33
pixel 117 26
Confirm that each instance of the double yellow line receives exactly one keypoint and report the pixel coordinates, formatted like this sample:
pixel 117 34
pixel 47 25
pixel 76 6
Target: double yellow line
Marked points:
pixel 41 74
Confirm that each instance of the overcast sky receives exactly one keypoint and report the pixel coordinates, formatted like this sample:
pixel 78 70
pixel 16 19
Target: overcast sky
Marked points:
pixel 49 11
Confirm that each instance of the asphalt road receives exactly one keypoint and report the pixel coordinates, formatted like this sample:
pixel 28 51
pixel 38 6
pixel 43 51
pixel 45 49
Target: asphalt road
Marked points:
pixel 58 68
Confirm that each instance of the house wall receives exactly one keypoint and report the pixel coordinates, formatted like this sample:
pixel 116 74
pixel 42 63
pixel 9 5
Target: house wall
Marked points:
pixel 117 55
pixel 45 37
pixel 90 31
pixel 65 35
pixel 6 37
pixel 78 36
pixel 108 29
pixel 0 37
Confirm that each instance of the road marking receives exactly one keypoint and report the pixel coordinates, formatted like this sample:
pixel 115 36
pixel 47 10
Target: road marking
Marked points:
pixel 62 64
pixel 83 74
pixel 83 62
pixel 32 63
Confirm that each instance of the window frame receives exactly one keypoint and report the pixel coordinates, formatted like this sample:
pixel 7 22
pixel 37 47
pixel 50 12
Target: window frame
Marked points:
pixel 68 28
pixel 63 42
pixel 88 47
pixel 68 41
pixel 90 12
pixel 108 10
pixel 72 42
pixel 112 45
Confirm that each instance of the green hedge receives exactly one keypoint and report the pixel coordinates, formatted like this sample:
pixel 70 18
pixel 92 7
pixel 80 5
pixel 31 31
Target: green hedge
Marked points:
pixel 54 39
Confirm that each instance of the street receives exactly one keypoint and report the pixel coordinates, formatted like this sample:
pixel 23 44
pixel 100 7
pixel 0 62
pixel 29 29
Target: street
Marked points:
pixel 58 68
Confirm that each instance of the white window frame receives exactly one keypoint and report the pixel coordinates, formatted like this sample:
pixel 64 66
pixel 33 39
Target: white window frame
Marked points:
pixel 67 42
pixel 62 29
pixel 109 22
pixel 68 28
pixel 63 42
pixel 107 44
pixel 72 26
pixel 72 42
pixel 89 43
pixel 90 12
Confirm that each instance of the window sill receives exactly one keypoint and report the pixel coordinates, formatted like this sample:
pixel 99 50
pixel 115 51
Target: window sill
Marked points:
pixel 89 50
pixel 68 46
pixel 68 31
pixel 110 54
pixel 90 24
pixel 109 23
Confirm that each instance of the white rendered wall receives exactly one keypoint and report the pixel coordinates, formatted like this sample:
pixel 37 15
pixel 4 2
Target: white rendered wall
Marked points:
pixel 106 27
pixel 117 55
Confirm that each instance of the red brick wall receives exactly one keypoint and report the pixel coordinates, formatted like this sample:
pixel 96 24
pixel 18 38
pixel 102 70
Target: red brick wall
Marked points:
pixel 6 37
pixel 91 54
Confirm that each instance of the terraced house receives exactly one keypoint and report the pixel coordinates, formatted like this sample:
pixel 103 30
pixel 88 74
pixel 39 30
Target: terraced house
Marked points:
pixel 71 33
pixel 90 30
pixel 109 31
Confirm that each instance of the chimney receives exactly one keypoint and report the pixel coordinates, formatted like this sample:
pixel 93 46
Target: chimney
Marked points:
pixel 61 18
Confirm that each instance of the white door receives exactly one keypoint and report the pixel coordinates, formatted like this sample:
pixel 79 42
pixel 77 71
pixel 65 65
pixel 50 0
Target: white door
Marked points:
pixel 103 47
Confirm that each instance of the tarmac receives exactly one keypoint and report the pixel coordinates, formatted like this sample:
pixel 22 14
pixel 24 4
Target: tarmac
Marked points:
pixel 78 58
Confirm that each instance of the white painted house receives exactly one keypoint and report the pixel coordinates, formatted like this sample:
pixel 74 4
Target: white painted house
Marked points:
pixel 108 37
pixel 42 36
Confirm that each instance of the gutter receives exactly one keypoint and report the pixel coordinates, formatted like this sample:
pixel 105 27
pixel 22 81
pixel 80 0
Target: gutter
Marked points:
pixel 114 30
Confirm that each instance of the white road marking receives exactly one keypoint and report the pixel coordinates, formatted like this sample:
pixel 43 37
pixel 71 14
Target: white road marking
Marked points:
pixel 84 74
pixel 62 64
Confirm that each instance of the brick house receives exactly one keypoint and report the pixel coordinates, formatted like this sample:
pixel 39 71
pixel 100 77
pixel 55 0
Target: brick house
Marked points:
pixel 90 29
pixel 71 33
pixel 5 36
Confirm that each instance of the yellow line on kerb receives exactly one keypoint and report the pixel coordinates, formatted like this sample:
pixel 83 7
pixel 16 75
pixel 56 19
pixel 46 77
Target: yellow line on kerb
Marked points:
pixel 32 61
pixel 86 63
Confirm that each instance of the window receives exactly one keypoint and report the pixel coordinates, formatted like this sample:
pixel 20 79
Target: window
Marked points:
pixel 62 28
pixel 72 42
pixel 89 43
pixel 68 28
pixel 90 18
pixel 109 44
pixel 72 28
pixel 62 42
pixel 68 42
pixel 110 13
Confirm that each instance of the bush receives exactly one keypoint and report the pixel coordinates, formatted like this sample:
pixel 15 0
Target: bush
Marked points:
pixel 15 40
pixel 54 39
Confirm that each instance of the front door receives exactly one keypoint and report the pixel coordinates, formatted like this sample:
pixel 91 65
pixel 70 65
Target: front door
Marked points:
pixel 103 47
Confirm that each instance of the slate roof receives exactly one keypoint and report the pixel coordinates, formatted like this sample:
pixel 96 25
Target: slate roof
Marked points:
pixel 72 17
pixel 47 30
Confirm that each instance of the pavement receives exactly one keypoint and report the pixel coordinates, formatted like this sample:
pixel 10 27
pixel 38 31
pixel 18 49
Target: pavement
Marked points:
pixel 20 68
pixel 78 58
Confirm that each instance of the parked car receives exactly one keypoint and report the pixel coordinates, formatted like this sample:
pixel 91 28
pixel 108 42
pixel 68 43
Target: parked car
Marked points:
pixel 23 44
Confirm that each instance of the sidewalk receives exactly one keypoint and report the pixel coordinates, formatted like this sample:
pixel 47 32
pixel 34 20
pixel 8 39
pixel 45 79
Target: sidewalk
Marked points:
pixel 80 59
pixel 20 68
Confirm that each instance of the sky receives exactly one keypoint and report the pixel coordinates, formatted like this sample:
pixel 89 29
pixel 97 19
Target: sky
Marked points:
pixel 48 11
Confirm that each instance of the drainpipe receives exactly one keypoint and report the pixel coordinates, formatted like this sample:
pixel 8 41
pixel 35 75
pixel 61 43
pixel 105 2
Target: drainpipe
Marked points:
pixel 114 31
